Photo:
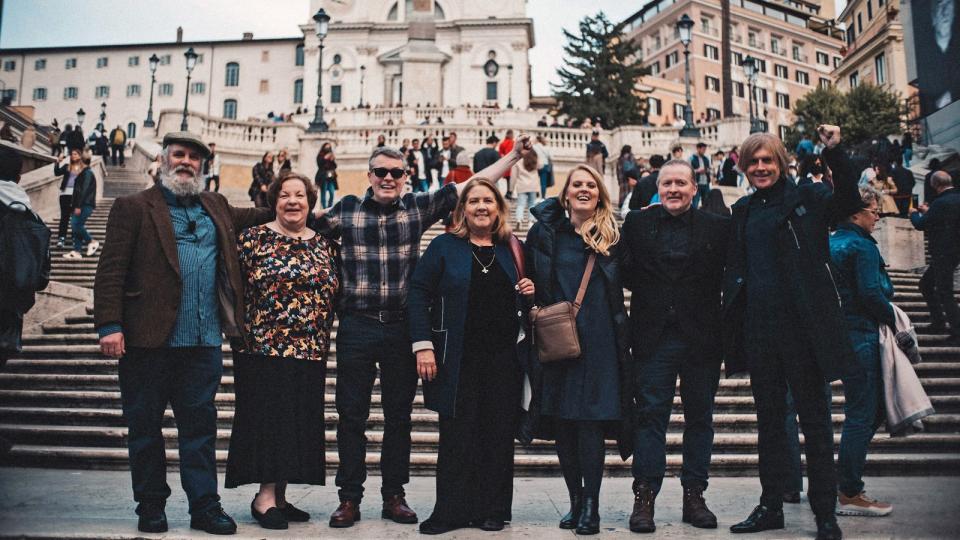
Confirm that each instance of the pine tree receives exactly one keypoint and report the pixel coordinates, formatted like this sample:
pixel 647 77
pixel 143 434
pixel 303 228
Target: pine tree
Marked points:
pixel 600 73
pixel 864 113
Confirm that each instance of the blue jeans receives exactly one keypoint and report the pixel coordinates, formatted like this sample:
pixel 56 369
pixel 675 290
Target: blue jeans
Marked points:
pixel 907 156
pixel 863 391
pixel 544 173
pixel 701 197
pixel 362 344
pixel 78 224
pixel 327 192
pixel 795 469
pixel 187 378
pixel 656 381
pixel 525 201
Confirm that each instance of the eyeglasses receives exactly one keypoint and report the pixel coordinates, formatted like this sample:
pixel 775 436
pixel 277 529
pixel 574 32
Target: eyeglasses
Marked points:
pixel 381 172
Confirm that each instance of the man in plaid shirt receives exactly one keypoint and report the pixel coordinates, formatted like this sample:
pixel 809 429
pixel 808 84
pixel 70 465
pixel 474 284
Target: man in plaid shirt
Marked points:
pixel 380 237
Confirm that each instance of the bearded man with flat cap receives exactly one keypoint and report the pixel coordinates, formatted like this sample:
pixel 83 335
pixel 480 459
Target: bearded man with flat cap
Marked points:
pixel 166 291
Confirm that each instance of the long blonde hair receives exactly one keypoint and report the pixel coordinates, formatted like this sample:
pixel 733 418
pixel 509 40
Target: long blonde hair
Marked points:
pixel 599 231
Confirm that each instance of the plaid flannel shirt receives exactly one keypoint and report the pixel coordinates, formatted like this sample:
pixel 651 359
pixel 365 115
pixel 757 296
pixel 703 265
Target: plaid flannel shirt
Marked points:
pixel 380 245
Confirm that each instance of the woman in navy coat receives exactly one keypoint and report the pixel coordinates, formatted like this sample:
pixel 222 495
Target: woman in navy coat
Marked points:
pixel 467 316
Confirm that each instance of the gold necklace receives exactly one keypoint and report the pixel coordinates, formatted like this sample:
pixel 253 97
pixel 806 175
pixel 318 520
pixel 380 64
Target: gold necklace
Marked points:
pixel 485 268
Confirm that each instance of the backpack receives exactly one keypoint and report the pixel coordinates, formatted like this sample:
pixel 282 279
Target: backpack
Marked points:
pixel 24 257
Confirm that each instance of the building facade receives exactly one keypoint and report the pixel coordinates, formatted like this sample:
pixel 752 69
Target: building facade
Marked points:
pixel 377 52
pixel 794 42
pixel 874 50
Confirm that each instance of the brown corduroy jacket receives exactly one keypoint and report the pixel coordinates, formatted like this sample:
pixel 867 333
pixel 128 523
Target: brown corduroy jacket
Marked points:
pixel 138 277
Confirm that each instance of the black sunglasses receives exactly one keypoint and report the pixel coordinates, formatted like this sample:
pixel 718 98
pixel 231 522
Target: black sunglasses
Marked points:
pixel 381 172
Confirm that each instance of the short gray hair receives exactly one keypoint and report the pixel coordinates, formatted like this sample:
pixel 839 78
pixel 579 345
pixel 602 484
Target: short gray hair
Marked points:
pixel 941 179
pixel 388 151
pixel 870 194
pixel 678 163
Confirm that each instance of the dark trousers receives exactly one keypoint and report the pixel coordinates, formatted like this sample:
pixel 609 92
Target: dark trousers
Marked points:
pixel 795 472
pixel 863 398
pixel 66 210
pixel 116 153
pixel 656 381
pixel 475 458
pixel 362 344
pixel 215 180
pixel 186 378
pixel 936 285
pixel 581 450
pixel 769 376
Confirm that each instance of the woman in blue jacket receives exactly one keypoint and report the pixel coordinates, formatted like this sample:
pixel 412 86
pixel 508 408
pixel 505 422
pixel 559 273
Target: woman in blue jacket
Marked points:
pixel 467 323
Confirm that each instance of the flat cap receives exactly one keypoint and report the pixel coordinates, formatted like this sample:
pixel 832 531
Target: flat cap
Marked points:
pixel 187 138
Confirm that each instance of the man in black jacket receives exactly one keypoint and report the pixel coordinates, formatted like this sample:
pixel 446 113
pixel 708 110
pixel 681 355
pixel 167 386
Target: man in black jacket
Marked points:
pixel 941 221
pixel 782 316
pixel 646 187
pixel 904 180
pixel 675 257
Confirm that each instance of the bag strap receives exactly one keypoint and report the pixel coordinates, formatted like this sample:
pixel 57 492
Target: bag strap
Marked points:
pixel 583 283
pixel 516 249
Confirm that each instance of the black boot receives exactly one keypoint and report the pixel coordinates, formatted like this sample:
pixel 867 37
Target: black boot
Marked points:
pixel 589 516
pixel 570 520
pixel 828 529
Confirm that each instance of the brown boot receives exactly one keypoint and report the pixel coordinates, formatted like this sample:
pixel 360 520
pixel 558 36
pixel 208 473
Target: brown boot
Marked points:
pixel 695 511
pixel 641 520
pixel 345 515
pixel 395 508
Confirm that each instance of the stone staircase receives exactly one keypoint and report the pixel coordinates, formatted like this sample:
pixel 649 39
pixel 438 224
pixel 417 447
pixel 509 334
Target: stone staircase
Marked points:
pixel 60 402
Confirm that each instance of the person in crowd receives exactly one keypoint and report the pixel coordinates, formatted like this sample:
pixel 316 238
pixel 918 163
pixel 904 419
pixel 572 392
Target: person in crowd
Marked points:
pixel 461 172
pixel 487 155
pixel 373 328
pixel 626 163
pixel 941 221
pixel 83 203
pixel 153 171
pixel 443 164
pixel 792 174
pixel 431 154
pixel 168 285
pixel 404 146
pixel 545 162
pixel 865 292
pixel 455 149
pixel 505 147
pixel 211 169
pixel 701 168
pixel 262 177
pixel 717 171
pixel 381 141
pixel 905 182
pixel 676 152
pixel 75 139
pixel 56 148
pixel 282 163
pixel 907 146
pixel 675 257
pixel 70 172
pixel 883 183
pixel 715 204
pixel 929 193
pixel 597 153
pixel 416 165
pixel 811 170
pixel 729 176
pixel 804 147
pixel 584 400
pixel 326 177
pixel 290 283
pixel 118 143
pixel 100 145
pixel 526 185
pixel 473 367
pixel 646 187
pixel 783 319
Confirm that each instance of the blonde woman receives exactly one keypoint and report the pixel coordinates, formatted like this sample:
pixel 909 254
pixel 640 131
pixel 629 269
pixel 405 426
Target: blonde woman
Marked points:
pixel 584 400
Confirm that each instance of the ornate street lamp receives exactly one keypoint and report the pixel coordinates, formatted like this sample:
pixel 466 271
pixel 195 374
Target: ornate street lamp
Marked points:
pixel 191 63
pixel 80 116
pixel 154 62
pixel 322 21
pixel 510 86
pixel 685 29
pixel 363 70
pixel 750 69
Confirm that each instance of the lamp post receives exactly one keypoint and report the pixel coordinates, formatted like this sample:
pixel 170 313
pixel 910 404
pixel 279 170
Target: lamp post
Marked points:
pixel 103 115
pixel 750 69
pixel 685 29
pixel 154 62
pixel 322 21
pixel 509 86
pixel 191 63
pixel 80 116
pixel 363 71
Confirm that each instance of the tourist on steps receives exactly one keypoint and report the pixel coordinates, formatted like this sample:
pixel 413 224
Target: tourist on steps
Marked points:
pixel 168 284
pixel 782 317
pixel 326 178
pixel 70 172
pixel 83 203
pixel 472 355
pixel 262 178
pixel 675 258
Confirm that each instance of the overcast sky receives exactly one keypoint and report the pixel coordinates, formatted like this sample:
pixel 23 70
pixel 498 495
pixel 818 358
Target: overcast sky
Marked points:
pixel 45 23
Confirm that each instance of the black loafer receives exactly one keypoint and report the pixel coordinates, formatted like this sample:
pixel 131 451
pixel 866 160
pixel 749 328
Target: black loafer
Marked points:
pixel 213 521
pixel 492 524
pixel 763 518
pixel 294 514
pixel 152 518
pixel 273 518
pixel 432 526
pixel 828 529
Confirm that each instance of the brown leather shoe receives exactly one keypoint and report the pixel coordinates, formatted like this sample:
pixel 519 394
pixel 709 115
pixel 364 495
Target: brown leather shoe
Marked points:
pixel 395 508
pixel 345 515
pixel 641 520
pixel 695 511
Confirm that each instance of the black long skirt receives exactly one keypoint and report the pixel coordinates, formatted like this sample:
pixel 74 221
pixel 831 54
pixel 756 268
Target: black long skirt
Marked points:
pixel 475 458
pixel 278 427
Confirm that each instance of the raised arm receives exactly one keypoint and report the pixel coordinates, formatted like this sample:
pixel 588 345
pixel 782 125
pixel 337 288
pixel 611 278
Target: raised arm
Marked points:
pixel 496 171
pixel 846 195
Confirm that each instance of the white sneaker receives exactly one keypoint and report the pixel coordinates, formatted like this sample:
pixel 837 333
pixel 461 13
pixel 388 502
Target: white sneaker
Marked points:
pixel 92 247
pixel 72 255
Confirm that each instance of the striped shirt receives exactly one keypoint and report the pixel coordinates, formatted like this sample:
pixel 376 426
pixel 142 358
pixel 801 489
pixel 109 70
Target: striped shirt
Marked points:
pixel 380 244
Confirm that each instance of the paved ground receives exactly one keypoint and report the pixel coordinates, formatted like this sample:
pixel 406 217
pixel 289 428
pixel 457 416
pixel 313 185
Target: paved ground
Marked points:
pixel 44 503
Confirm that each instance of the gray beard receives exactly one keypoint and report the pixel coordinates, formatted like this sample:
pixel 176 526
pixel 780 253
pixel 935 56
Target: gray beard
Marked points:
pixel 171 180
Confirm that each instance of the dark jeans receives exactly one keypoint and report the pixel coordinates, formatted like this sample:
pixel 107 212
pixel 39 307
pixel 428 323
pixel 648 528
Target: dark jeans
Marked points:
pixel 116 151
pixel 362 344
pixel 79 225
pixel 701 197
pixel 328 190
pixel 215 180
pixel 544 173
pixel 769 377
pixel 656 381
pixel 863 392
pixel 66 209
pixel 936 285
pixel 581 451
pixel 795 471
pixel 186 378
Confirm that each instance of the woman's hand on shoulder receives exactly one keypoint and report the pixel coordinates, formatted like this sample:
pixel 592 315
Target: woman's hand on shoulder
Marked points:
pixel 525 287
